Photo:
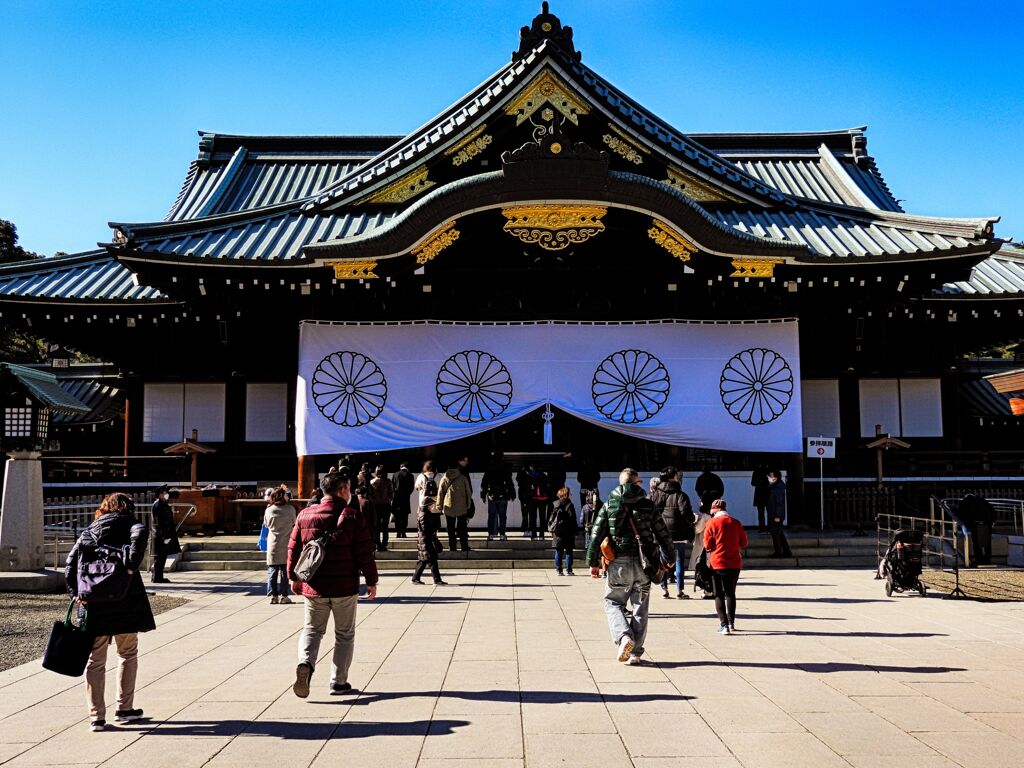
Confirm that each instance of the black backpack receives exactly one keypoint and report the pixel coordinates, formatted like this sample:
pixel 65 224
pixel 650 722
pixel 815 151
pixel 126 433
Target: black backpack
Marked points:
pixel 103 573
pixel 430 486
pixel 702 574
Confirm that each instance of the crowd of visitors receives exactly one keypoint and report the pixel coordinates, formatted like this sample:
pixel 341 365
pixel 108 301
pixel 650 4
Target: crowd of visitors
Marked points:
pixel 633 538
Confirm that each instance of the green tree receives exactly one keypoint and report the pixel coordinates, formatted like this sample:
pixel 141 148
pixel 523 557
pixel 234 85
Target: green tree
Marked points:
pixel 9 248
pixel 17 346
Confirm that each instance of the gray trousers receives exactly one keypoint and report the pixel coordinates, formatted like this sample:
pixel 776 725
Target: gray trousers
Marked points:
pixel 318 610
pixel 627 582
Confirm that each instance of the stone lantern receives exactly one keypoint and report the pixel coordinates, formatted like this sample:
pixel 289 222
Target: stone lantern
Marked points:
pixel 28 397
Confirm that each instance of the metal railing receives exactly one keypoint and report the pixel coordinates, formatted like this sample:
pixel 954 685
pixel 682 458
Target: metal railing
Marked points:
pixel 65 518
pixel 1009 512
pixel 943 544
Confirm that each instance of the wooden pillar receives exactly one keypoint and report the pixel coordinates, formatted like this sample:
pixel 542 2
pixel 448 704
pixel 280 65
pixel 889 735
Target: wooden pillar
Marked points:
pixel 307 476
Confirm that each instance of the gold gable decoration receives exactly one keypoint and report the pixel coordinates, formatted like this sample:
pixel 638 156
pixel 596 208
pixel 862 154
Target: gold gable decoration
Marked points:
pixel 625 146
pixel 670 240
pixel 547 88
pixel 755 267
pixel 436 243
pixel 554 227
pixel 404 189
pixel 695 189
pixel 470 147
pixel 351 269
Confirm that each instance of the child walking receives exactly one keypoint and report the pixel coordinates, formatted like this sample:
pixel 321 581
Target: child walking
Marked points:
pixel 563 527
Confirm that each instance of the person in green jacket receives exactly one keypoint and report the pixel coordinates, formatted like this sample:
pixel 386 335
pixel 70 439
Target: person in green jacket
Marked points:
pixel 627 581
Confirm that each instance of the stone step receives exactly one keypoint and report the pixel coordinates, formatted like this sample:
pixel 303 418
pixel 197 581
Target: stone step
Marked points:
pixel 222 565
pixel 516 541
pixel 496 563
pixel 191 555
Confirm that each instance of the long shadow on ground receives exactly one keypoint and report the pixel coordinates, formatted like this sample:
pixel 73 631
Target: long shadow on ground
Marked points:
pixel 811 666
pixel 298 730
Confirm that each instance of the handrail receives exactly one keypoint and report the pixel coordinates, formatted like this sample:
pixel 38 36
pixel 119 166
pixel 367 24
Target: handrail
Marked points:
pixel 1014 509
pixel 190 511
pixel 941 537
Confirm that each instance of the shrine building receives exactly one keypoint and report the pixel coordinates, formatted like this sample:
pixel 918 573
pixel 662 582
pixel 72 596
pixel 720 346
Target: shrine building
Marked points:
pixel 545 267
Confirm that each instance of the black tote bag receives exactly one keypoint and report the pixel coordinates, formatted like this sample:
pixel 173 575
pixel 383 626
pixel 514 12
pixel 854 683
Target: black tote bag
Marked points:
pixel 69 647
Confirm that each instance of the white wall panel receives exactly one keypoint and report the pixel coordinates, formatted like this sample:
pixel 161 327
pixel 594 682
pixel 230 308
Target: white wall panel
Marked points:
pixel 820 400
pixel 879 404
pixel 922 407
pixel 162 406
pixel 266 412
pixel 204 411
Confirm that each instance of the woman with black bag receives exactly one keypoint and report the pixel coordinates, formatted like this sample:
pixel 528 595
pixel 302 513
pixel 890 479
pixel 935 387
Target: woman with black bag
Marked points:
pixel 115 618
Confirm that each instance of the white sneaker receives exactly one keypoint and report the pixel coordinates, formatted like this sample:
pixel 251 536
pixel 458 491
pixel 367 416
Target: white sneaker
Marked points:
pixel 724 630
pixel 504 537
pixel 273 600
pixel 634 661
pixel 626 646
pixel 285 601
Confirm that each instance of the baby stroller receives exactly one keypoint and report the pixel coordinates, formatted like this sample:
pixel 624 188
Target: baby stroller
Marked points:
pixel 901 566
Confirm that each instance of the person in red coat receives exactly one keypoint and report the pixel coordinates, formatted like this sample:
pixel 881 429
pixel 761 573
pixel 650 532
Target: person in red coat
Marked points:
pixel 334 588
pixel 724 537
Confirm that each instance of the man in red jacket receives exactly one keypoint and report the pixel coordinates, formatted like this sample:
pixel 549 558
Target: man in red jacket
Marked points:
pixel 334 588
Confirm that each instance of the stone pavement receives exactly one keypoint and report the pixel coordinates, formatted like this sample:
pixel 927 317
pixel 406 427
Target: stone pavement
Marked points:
pixel 516 668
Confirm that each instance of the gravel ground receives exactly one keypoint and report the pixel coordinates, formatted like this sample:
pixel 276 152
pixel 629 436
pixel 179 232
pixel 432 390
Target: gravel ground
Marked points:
pixel 985 584
pixel 26 621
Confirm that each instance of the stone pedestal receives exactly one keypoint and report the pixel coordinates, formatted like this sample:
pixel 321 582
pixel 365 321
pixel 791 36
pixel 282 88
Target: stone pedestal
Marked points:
pixel 21 516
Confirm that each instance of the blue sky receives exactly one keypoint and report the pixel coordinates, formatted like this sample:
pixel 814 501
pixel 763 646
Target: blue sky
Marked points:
pixel 102 100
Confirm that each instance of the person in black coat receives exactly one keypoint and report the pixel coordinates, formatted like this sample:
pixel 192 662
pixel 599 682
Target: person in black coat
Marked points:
pixel 672 503
pixel 524 482
pixel 761 486
pixel 403 483
pixel 777 514
pixel 428 545
pixel 564 527
pixel 709 487
pixel 165 535
pixel 497 490
pixel 977 513
pixel 120 621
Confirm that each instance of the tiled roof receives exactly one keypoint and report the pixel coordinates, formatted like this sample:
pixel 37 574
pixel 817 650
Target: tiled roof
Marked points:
pixel 835 234
pixel 102 400
pixel 44 387
pixel 981 399
pixel 95 276
pixel 279 236
pixel 1001 275
pixel 264 171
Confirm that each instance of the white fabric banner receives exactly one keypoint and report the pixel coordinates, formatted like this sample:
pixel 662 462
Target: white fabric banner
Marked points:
pixel 378 387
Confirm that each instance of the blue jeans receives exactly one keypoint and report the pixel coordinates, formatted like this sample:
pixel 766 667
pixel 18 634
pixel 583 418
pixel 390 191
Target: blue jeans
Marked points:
pixel 277 581
pixel 567 552
pixel 627 582
pixel 497 513
pixel 680 567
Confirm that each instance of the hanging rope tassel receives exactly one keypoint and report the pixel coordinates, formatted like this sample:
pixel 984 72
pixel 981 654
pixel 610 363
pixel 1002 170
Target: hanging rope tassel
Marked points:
pixel 548 416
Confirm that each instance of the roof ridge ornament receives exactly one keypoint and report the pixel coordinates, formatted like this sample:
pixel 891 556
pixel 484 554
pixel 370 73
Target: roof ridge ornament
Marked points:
pixel 546 26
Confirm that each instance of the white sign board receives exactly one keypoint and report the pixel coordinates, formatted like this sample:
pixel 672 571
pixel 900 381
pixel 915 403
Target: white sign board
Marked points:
pixel 821 447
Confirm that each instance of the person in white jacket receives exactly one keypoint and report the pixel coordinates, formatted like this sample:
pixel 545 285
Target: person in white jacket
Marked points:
pixel 702 519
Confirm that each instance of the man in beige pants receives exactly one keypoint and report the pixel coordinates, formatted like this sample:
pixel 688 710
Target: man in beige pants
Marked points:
pixel 334 588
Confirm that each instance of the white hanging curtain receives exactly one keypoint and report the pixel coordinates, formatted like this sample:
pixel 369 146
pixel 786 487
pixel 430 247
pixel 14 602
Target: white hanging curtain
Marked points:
pixel 377 387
